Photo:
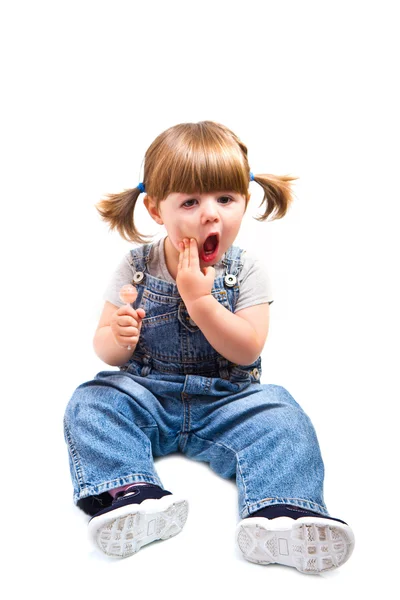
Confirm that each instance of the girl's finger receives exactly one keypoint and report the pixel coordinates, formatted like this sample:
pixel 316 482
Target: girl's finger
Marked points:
pixel 185 260
pixel 181 247
pixel 126 309
pixel 194 254
pixel 129 332
pixel 126 321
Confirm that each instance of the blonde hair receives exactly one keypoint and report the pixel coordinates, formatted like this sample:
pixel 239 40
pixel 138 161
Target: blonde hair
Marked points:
pixel 195 158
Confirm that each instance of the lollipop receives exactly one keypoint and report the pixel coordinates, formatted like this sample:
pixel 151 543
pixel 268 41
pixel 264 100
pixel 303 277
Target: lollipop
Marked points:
pixel 128 294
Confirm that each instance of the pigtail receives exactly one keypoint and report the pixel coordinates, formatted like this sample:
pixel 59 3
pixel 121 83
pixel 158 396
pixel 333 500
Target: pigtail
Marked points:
pixel 117 210
pixel 278 195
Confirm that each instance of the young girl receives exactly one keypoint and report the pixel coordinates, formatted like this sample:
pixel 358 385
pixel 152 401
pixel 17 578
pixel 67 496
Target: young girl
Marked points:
pixel 188 351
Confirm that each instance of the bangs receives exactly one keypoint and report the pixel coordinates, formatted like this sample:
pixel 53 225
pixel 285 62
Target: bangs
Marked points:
pixel 197 158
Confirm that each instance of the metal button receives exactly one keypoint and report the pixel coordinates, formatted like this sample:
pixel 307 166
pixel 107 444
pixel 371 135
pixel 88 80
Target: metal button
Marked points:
pixel 256 373
pixel 230 280
pixel 138 276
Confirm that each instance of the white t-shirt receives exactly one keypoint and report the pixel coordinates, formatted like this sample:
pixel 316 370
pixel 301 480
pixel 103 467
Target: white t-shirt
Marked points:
pixel 254 283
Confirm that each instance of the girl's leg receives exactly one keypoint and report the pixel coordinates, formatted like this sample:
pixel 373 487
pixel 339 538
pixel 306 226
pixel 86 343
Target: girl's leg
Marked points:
pixel 262 437
pixel 113 428
pixel 112 435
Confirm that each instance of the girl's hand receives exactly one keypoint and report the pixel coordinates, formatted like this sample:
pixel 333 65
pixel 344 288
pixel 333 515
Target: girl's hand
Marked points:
pixel 192 282
pixel 126 324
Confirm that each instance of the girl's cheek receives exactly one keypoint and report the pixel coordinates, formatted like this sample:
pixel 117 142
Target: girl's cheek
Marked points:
pixel 180 237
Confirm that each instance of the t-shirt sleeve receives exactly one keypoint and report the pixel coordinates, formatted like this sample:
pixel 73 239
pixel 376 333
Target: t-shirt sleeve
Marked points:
pixel 254 283
pixel 122 276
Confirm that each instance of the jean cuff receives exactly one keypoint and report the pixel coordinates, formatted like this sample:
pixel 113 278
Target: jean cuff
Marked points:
pixel 106 486
pixel 298 502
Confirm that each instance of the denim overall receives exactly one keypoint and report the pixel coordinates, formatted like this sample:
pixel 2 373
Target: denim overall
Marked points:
pixel 177 394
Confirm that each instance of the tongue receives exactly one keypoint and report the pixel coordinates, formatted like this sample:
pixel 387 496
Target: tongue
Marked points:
pixel 210 243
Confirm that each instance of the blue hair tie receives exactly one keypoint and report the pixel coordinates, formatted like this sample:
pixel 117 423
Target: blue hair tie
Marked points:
pixel 251 176
pixel 141 187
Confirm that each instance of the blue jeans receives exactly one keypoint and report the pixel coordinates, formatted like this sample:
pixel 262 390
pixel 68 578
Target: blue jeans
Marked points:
pixel 252 432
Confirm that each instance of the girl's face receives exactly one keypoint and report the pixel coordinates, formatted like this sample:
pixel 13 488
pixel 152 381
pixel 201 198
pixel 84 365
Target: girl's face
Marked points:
pixel 215 215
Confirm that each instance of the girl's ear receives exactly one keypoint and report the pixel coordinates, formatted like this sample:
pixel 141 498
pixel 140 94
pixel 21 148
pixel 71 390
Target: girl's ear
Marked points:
pixel 150 204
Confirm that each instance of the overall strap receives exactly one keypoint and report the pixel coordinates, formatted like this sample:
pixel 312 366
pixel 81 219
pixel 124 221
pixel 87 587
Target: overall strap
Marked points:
pixel 233 263
pixel 140 257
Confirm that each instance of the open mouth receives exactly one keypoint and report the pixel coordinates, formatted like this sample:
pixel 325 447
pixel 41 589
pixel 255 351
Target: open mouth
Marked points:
pixel 210 248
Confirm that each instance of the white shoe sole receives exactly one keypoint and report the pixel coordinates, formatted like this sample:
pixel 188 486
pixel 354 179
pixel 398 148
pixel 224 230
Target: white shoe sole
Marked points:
pixel 123 531
pixel 310 544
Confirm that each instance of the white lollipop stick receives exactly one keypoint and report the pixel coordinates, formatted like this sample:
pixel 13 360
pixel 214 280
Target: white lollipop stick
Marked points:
pixel 128 293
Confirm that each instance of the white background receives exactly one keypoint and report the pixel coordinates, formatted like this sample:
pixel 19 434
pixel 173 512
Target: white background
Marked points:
pixel 311 89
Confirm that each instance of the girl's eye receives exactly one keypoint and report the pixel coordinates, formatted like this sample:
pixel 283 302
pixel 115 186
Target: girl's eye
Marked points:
pixel 221 200
pixel 186 203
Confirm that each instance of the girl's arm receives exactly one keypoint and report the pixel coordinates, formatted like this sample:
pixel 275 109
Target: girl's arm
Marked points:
pixel 239 337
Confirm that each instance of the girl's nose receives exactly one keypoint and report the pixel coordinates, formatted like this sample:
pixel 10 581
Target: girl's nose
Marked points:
pixel 209 211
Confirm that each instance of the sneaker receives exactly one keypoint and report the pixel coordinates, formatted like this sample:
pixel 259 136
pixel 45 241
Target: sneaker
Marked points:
pixel 311 544
pixel 137 516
